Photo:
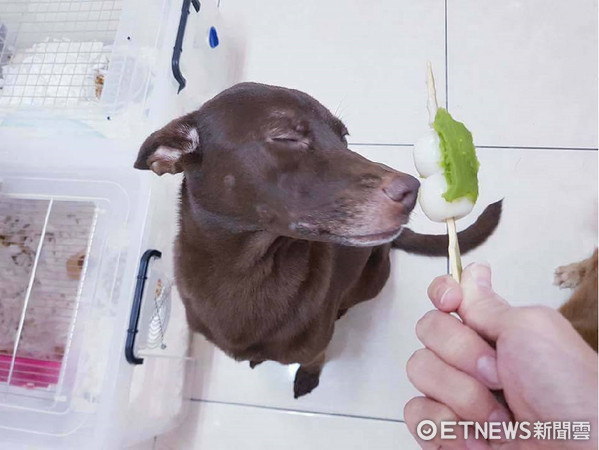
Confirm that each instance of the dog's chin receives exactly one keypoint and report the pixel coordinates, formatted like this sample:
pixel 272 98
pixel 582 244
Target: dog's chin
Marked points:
pixel 368 240
pixel 365 240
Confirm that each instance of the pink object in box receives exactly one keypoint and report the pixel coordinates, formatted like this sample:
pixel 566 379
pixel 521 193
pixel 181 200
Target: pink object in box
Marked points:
pixel 29 372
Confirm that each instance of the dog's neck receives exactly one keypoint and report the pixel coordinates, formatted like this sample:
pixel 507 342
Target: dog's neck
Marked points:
pixel 242 245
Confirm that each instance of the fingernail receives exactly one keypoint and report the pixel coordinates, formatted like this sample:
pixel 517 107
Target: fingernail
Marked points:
pixel 487 368
pixel 445 296
pixel 481 272
pixel 500 415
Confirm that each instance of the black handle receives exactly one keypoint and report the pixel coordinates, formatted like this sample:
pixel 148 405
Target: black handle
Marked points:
pixel 136 307
pixel 178 48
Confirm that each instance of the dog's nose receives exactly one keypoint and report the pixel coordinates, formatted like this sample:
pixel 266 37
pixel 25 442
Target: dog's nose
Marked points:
pixel 402 189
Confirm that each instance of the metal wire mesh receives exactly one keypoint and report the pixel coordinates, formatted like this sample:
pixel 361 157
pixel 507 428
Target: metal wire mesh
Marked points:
pixel 55 53
pixel 43 248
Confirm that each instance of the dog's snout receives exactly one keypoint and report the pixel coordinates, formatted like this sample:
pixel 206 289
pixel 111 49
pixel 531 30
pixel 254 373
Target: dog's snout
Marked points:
pixel 402 189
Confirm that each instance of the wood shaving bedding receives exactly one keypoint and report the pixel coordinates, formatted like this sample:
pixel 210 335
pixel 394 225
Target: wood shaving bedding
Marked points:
pixel 52 301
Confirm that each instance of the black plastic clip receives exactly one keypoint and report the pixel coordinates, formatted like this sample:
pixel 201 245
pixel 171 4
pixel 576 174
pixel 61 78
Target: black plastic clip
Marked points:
pixel 178 48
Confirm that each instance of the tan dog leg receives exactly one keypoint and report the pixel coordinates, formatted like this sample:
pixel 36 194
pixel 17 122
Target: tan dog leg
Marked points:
pixel 571 275
pixel 581 309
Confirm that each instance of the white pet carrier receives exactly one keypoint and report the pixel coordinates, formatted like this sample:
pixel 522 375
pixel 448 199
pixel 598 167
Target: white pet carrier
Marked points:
pixel 93 336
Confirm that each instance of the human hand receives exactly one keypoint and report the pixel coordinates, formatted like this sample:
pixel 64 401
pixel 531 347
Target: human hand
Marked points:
pixel 547 372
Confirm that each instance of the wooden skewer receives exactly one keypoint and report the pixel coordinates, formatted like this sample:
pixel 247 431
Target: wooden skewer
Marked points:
pixel 431 103
pixel 455 259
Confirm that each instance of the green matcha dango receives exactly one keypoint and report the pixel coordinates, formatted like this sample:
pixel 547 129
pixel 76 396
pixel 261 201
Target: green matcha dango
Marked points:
pixel 446 159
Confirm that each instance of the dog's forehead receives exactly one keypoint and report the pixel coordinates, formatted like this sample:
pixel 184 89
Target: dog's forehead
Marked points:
pixel 275 113
pixel 251 107
pixel 291 116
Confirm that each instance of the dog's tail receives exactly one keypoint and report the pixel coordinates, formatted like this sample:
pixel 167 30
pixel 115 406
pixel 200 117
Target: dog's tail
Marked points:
pixel 436 244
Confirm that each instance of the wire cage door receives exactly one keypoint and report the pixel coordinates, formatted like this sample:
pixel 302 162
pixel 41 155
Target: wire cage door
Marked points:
pixel 80 59
pixel 43 249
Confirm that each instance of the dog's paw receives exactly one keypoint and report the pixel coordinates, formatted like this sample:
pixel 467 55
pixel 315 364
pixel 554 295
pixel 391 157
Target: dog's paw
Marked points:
pixel 255 363
pixel 568 276
pixel 304 383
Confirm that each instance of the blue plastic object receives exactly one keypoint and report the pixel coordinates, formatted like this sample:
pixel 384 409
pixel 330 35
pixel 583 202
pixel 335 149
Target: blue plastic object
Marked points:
pixel 213 38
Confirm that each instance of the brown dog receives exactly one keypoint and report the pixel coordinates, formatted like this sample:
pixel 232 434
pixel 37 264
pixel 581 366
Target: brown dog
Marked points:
pixel 581 308
pixel 282 227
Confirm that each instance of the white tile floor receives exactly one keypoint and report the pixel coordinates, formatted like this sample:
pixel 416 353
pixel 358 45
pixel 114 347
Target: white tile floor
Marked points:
pixel 524 73
pixel 520 74
pixel 226 427
pixel 362 59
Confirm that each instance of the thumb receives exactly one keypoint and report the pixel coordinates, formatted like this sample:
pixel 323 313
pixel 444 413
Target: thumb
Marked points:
pixel 481 308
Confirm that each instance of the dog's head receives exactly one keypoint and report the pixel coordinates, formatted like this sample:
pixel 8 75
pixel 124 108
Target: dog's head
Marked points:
pixel 269 158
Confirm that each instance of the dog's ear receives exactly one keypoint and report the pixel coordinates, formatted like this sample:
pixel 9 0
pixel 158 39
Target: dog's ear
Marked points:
pixel 163 150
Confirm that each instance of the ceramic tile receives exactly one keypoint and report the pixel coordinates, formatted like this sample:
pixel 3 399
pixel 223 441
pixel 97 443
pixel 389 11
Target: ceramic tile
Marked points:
pixel 548 220
pixel 224 427
pixel 145 445
pixel 524 73
pixel 364 60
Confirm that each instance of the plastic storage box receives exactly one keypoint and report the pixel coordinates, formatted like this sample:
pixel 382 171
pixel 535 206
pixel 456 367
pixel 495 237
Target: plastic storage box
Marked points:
pixel 93 336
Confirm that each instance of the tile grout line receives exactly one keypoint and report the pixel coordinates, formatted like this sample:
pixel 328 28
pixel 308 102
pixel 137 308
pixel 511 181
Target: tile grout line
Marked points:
pixel 378 144
pixel 446 64
pixel 447 263
pixel 514 147
pixel 276 408
pixel 508 147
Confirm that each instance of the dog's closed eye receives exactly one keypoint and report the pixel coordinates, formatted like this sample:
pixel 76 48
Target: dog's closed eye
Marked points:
pixel 290 139
pixel 285 139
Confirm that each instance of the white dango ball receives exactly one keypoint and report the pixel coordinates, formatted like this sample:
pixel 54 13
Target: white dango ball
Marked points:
pixel 427 154
pixel 435 206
